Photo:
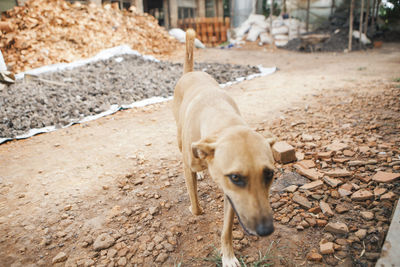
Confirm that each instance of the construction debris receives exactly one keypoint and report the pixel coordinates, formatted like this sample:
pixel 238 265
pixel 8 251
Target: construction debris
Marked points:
pixel 279 32
pixel 44 32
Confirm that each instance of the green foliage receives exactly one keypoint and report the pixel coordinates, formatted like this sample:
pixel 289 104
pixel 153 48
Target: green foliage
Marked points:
pixel 267 9
pixel 390 15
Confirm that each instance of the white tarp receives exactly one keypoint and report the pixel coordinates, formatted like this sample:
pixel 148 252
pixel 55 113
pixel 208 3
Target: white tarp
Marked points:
pixel 103 55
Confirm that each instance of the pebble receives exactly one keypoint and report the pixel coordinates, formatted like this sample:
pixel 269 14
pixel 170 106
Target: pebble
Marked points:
pixel 326 209
pixel 302 201
pixel 367 215
pixel 291 188
pixel 312 174
pixel 326 248
pixel 332 181
pixel 60 257
pixel 337 228
pixel 311 186
pixel 103 241
pixel 162 257
pixel 314 256
pixel 361 234
pixel 338 173
pixel 361 195
pixel 153 210
pixel 388 196
pixel 385 177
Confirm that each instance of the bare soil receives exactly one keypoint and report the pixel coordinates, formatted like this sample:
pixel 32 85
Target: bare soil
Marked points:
pixel 121 175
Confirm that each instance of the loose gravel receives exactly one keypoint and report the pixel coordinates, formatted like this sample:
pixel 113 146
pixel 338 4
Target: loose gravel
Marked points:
pixel 60 98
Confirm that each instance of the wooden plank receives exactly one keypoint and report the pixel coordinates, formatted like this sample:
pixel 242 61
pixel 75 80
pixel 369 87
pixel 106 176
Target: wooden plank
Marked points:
pixel 351 25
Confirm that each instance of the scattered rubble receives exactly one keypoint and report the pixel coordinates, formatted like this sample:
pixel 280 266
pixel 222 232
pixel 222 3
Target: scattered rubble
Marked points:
pixel 353 178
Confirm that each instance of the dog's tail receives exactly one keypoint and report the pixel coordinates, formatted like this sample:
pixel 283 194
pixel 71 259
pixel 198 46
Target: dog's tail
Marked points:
pixel 188 65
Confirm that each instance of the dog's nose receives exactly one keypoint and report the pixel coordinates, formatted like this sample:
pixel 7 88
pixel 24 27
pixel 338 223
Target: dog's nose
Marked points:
pixel 264 229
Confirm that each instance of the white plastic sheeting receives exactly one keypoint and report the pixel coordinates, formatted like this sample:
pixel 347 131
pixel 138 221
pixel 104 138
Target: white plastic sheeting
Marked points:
pixel 103 55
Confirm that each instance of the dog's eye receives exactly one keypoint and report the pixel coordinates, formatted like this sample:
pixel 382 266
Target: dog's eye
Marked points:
pixel 267 176
pixel 237 179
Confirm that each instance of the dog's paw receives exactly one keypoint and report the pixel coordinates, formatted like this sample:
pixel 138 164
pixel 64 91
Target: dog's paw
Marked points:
pixel 196 211
pixel 230 262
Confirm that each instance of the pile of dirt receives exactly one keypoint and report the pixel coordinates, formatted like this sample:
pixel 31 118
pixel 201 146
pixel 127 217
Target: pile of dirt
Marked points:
pixel 61 98
pixel 337 42
pixel 44 32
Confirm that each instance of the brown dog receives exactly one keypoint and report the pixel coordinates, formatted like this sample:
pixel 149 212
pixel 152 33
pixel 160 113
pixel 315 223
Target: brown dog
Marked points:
pixel 212 135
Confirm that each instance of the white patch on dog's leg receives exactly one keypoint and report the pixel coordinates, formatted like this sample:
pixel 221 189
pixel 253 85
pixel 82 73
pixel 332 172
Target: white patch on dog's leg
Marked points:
pixel 230 261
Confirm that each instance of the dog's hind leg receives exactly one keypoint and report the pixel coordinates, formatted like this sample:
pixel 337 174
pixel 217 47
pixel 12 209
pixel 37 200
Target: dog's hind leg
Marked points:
pixel 228 256
pixel 191 185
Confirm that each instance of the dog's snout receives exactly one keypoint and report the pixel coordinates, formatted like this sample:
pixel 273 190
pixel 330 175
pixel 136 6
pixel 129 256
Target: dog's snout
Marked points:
pixel 264 229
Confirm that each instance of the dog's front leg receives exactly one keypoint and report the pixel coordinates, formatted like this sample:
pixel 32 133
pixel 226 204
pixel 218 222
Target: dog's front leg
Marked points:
pixel 191 185
pixel 228 256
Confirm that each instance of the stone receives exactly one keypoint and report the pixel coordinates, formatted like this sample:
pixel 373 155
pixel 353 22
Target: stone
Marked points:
pixel 338 173
pixel 153 210
pixel 332 181
pixel 388 196
pixel 361 195
pixel 344 192
pixel 314 256
pixel 307 138
pixel 311 186
pixel 283 152
pixel 337 228
pixel 337 146
pixel 60 257
pixel 325 155
pixel 321 223
pixel 237 235
pixel 103 241
pixel 341 209
pixel 326 248
pixel 162 257
pixel 385 177
pixel 312 174
pixel 356 163
pixel 363 149
pixel 302 201
pixel 379 191
pixel 367 215
pixel 326 209
pixel 361 233
pixel 306 164
pixel 348 153
pixel 291 188
pixel 122 261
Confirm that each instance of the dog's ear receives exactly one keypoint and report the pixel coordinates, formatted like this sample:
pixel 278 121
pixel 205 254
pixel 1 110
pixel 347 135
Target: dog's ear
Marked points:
pixel 204 148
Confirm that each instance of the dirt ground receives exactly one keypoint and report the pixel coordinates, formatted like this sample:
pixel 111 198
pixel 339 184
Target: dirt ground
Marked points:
pixel 120 177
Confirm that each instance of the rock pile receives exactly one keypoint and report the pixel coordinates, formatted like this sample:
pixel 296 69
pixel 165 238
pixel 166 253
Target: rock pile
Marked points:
pixel 44 32
pixel 352 163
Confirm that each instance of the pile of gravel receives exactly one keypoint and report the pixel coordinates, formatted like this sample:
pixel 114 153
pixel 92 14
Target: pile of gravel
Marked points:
pixel 57 99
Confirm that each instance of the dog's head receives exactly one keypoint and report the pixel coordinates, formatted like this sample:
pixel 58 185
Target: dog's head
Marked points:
pixel 242 164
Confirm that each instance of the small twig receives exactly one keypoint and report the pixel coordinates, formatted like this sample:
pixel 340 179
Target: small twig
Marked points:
pixel 363 251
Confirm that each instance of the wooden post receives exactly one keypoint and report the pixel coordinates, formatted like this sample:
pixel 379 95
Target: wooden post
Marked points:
pixel 373 16
pixel 361 22
pixel 166 14
pixel 332 6
pixel 173 11
pixel 272 8
pixel 308 15
pixel 366 18
pixel 201 8
pixel 220 8
pixel 351 24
